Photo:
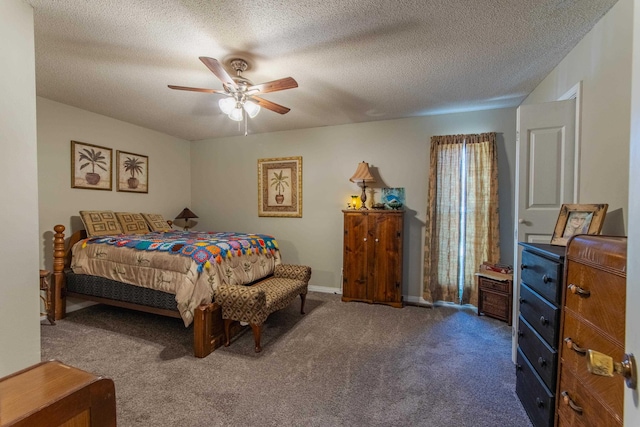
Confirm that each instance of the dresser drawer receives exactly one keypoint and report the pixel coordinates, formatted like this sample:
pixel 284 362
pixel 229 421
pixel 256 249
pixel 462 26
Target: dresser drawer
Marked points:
pixel 536 398
pixel 543 316
pixel 610 389
pixel 605 304
pixel 594 414
pixel 542 275
pixel 543 358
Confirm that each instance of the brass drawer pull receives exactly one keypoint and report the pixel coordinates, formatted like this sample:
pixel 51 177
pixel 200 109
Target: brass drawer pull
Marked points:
pixel 573 346
pixel 568 401
pixel 578 290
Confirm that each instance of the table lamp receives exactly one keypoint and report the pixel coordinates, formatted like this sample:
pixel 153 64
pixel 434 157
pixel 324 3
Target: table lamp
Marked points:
pixel 361 177
pixel 186 214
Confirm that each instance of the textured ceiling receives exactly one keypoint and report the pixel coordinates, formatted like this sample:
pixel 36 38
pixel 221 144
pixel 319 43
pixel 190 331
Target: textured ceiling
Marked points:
pixel 354 60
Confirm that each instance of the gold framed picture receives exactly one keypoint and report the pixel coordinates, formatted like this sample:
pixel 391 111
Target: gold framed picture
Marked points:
pixel 280 187
pixel 90 166
pixel 578 219
pixel 132 172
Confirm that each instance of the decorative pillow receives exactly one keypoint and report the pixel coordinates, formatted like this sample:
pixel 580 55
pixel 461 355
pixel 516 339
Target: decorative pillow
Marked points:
pixel 156 222
pixel 132 223
pixel 100 223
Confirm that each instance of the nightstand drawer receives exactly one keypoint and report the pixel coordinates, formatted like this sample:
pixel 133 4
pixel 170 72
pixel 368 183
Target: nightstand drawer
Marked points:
pixel 543 316
pixel 487 284
pixel 542 275
pixel 495 304
pixel 543 358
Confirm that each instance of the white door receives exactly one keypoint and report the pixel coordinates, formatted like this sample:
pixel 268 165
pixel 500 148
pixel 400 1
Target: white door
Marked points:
pixel 632 338
pixel 545 173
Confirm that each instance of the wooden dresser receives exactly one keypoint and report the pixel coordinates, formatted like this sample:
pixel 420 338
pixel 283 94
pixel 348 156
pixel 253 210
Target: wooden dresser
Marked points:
pixel 593 319
pixel 538 330
pixel 372 256
pixel 52 394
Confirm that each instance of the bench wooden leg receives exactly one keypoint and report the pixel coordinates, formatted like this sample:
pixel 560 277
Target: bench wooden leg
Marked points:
pixel 227 331
pixel 303 298
pixel 257 332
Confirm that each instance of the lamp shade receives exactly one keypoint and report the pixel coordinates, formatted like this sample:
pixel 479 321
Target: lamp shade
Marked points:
pixel 186 214
pixel 362 174
pixel 251 108
pixel 236 114
pixel 226 105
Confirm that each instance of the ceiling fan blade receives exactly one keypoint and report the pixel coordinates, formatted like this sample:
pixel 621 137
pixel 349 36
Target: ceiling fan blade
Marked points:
pixel 216 68
pixel 270 105
pixel 281 84
pixel 196 89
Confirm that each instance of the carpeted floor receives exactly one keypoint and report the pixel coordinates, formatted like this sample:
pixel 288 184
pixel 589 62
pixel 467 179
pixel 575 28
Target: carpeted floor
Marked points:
pixel 341 364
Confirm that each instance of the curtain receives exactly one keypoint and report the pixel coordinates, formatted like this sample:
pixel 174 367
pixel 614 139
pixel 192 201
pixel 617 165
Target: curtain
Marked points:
pixel 442 236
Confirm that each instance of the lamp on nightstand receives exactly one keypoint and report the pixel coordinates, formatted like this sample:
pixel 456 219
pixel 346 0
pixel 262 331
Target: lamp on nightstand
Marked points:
pixel 186 214
pixel 362 176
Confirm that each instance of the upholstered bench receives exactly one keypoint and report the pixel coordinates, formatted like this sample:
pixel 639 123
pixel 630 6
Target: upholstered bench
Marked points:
pixel 253 304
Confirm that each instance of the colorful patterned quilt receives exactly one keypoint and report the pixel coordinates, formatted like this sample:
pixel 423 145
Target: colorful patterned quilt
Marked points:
pixel 188 264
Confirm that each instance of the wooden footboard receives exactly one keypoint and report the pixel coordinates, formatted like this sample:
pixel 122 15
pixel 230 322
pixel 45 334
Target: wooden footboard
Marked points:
pixel 208 330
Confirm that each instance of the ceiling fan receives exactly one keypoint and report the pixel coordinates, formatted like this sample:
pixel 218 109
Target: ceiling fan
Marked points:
pixel 240 93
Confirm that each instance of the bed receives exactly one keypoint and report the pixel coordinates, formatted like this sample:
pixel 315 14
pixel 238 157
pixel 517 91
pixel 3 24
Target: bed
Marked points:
pixel 171 273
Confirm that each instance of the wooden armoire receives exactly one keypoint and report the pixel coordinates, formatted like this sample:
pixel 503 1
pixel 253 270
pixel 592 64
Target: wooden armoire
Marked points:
pixel 372 256
pixel 593 320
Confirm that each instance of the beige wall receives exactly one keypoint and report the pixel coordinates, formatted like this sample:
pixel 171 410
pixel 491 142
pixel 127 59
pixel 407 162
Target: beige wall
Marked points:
pixel 602 61
pixel 19 302
pixel 59 124
pixel 224 184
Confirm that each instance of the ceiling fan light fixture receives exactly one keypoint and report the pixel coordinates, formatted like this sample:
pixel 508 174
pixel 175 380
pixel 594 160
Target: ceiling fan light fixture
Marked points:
pixel 227 105
pixel 236 114
pixel 251 108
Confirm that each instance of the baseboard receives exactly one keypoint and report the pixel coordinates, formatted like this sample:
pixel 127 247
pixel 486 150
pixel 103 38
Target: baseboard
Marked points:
pixel 417 301
pixel 325 289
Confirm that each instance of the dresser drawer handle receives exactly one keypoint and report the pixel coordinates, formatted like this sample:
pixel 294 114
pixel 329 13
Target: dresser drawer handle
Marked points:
pixel 543 321
pixel 539 402
pixel 545 279
pixel 573 346
pixel 522 300
pixel 523 266
pixel 578 290
pixel 568 401
pixel 542 361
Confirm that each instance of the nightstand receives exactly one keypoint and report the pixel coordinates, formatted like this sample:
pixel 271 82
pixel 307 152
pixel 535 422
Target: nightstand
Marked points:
pixel 495 295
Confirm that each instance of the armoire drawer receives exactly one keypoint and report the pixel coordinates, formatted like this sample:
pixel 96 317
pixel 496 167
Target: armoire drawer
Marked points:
pixel 593 414
pixel 536 398
pixel 542 357
pixel 543 316
pixel 584 337
pixel 542 275
pixel 604 305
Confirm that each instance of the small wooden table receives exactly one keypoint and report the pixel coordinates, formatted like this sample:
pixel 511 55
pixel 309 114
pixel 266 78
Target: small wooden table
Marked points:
pixel 52 394
pixel 48 299
pixel 495 295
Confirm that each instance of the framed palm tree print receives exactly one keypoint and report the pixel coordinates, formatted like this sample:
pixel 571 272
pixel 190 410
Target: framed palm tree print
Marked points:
pixel 90 166
pixel 132 172
pixel 280 187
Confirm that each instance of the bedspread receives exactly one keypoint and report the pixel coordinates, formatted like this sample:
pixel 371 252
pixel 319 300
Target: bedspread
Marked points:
pixel 190 265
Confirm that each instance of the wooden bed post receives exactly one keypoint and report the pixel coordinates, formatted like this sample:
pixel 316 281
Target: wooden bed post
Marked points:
pixel 58 271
